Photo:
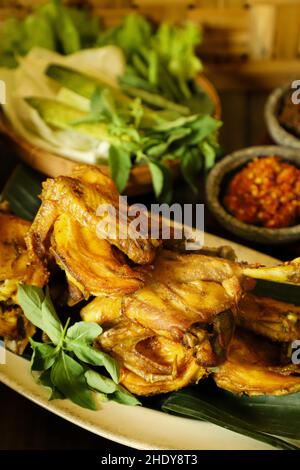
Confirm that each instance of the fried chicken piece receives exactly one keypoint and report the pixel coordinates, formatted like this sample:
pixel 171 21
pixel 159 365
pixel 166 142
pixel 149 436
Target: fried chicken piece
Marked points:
pixel 274 319
pixel 80 196
pixel 15 267
pixel 15 264
pixel 189 267
pixel 103 310
pixel 91 264
pixel 15 328
pixel 196 314
pixel 185 310
pixel 253 368
pixel 150 364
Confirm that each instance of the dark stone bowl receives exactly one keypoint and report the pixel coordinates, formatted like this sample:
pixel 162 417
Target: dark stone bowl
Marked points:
pixel 280 135
pixel 215 187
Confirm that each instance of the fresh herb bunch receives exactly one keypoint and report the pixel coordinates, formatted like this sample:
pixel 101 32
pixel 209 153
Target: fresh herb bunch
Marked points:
pixel 143 136
pixel 136 134
pixel 64 360
pixel 161 61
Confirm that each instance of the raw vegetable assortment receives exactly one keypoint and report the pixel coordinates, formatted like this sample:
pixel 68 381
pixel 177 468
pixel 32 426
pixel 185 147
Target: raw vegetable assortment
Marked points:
pixel 135 133
pixel 158 115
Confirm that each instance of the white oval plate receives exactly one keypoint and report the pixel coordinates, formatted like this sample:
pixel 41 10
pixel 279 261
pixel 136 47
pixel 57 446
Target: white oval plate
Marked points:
pixel 137 427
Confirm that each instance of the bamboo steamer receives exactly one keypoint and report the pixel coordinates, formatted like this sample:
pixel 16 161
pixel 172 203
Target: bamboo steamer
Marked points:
pixel 51 164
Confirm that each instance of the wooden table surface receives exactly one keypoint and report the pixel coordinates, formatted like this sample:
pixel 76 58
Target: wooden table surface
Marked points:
pixel 24 425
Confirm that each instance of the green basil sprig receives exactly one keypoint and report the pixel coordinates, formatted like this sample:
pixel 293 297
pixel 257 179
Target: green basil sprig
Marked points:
pixel 63 361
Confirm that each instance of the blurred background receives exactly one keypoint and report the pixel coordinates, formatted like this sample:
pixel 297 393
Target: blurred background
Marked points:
pixel 248 48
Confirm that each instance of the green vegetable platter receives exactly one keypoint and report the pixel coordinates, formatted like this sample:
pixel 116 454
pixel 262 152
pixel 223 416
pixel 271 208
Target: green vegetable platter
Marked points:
pixel 131 99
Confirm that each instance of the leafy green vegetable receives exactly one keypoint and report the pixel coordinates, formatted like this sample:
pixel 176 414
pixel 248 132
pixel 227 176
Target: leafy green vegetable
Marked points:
pixel 68 376
pixel 50 321
pixel 161 61
pixel 124 397
pixel 31 299
pixel 22 190
pixel 99 382
pixel 65 29
pixel 43 356
pixel 105 385
pixel 84 332
pixel 144 123
pixel 134 133
pixel 51 26
pixel 120 166
pixel 45 380
pixel 61 371
pixel 190 167
pixel 157 177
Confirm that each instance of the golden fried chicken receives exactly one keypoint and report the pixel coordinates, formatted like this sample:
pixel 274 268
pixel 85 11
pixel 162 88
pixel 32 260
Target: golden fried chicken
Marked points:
pixel 91 264
pixel 15 267
pixel 150 364
pixel 15 264
pixel 80 196
pixel 274 319
pixel 253 368
pixel 186 309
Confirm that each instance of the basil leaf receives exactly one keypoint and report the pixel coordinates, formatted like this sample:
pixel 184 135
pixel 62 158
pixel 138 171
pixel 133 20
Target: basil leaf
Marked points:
pixel 94 356
pixel 157 177
pixel 190 165
pixel 68 376
pixel 120 166
pixel 209 155
pixel 124 397
pixel 161 180
pixel 205 125
pixel 167 126
pixel 51 323
pixel 99 382
pixel 160 149
pixel 45 380
pixel 30 299
pixel 105 385
pixel 85 332
pixel 22 190
pixel 43 356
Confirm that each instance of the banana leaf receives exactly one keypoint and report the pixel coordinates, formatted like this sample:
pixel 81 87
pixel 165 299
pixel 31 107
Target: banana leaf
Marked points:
pixel 285 292
pixel 269 419
pixel 22 191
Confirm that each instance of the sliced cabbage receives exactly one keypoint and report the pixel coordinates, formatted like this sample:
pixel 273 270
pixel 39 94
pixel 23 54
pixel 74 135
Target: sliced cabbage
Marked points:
pixel 105 63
